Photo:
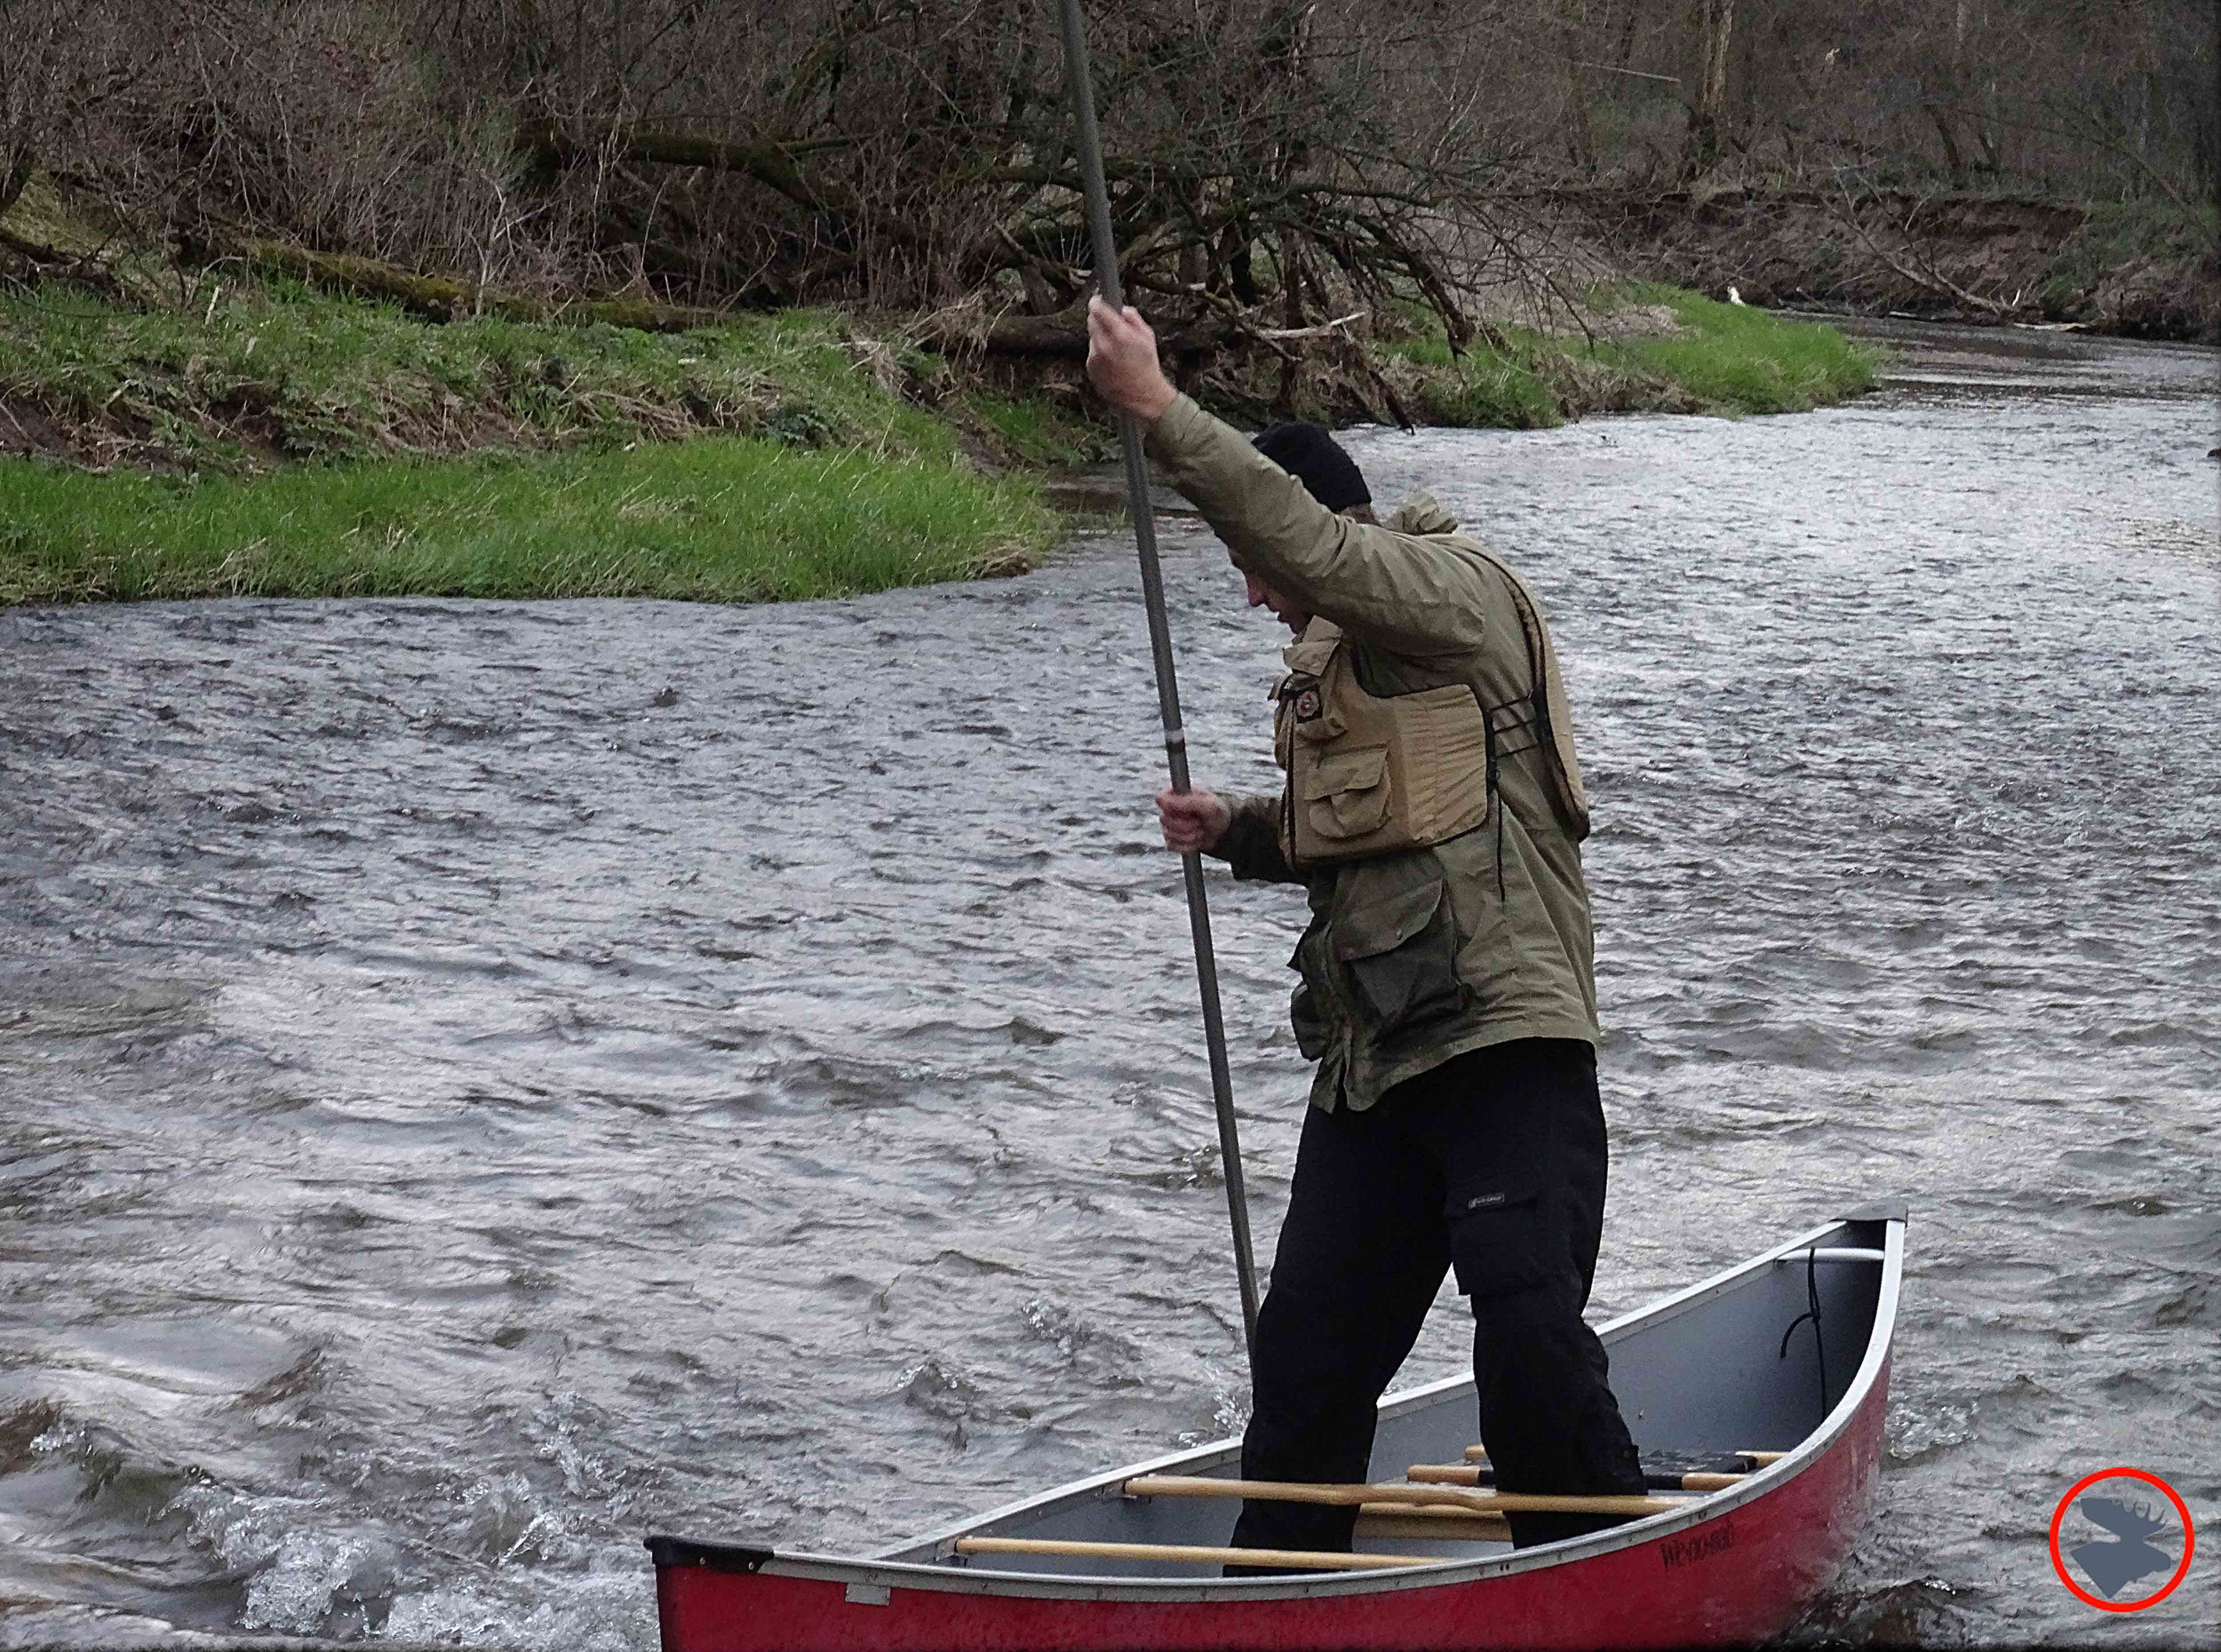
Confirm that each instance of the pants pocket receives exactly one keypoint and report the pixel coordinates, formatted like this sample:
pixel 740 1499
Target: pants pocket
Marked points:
pixel 1400 954
pixel 1500 1242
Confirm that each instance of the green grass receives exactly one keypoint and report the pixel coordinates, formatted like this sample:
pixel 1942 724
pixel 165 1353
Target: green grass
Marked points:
pixel 1484 388
pixel 1730 358
pixel 1735 359
pixel 1036 431
pixel 270 440
pixel 251 375
pixel 720 519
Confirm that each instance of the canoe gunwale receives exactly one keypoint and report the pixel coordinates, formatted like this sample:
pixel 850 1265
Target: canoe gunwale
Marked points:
pixel 882 1570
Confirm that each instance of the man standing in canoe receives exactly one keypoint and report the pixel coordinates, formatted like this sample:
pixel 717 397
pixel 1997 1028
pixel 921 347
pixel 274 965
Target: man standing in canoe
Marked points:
pixel 1433 811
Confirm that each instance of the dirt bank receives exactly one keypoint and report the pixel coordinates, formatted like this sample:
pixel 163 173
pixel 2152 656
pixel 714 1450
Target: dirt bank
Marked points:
pixel 2148 272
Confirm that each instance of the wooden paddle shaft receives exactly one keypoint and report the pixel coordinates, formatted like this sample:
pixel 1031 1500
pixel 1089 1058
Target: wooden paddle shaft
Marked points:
pixel 1471 1474
pixel 1196 1554
pixel 1480 1454
pixel 1479 1502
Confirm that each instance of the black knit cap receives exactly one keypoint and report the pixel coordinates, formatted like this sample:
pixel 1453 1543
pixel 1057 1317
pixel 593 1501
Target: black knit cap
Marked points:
pixel 1316 459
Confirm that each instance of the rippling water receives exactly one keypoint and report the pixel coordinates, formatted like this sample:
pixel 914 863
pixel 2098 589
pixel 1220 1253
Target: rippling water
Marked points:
pixel 481 1081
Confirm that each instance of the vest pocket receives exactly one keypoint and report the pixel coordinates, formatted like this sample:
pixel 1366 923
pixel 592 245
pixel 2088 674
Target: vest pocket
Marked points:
pixel 1401 955
pixel 1346 795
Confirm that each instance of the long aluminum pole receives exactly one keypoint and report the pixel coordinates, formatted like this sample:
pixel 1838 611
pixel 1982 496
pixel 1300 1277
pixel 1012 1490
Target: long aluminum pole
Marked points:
pixel 1083 101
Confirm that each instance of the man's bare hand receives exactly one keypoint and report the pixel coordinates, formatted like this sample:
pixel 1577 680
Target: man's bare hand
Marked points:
pixel 1122 361
pixel 1193 821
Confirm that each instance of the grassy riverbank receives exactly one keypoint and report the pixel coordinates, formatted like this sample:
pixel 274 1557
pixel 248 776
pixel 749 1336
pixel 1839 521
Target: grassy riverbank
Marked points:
pixel 720 519
pixel 268 439
pixel 276 441
pixel 1651 349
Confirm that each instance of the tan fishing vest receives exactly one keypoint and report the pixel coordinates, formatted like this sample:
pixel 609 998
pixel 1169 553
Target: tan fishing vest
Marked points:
pixel 1553 718
pixel 1371 774
pixel 1368 775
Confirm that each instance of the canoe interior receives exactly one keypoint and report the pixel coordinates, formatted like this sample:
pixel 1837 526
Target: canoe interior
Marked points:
pixel 1703 1372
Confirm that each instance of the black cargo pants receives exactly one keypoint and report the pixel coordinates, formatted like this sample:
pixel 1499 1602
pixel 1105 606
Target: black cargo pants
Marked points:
pixel 1492 1164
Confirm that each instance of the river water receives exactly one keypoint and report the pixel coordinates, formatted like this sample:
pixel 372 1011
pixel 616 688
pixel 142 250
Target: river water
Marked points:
pixel 485 1081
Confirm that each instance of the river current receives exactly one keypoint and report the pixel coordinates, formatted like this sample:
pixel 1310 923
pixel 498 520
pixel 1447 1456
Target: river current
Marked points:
pixel 480 1082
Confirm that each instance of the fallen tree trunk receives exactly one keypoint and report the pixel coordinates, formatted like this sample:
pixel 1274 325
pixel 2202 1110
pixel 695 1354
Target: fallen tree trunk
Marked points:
pixel 770 165
pixel 1047 336
pixel 21 257
pixel 1224 351
pixel 442 298
pixel 1063 335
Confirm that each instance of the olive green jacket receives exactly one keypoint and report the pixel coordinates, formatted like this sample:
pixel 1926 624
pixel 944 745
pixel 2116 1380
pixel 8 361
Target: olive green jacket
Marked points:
pixel 1395 979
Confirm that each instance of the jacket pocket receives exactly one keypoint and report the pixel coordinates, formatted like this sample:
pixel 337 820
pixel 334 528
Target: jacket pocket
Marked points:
pixel 1400 954
pixel 1346 795
pixel 1305 1015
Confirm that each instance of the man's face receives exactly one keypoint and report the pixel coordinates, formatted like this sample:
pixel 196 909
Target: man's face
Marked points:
pixel 1284 610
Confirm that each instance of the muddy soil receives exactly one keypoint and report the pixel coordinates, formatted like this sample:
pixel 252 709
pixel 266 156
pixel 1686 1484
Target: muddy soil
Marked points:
pixel 1946 257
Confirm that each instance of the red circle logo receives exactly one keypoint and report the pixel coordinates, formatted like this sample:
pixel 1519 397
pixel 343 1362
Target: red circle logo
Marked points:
pixel 2113 1563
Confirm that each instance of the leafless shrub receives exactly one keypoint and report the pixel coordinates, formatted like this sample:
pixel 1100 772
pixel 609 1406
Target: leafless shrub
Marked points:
pixel 1275 164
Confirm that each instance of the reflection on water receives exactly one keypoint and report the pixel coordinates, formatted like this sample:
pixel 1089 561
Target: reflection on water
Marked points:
pixel 485 1079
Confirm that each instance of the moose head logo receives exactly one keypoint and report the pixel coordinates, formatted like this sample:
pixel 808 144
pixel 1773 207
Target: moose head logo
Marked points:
pixel 2141 1538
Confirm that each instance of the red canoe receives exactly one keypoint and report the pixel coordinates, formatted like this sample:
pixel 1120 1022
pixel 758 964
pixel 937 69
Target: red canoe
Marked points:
pixel 1786 1353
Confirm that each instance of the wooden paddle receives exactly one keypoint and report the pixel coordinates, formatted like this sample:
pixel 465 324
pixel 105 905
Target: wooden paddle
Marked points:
pixel 1480 1454
pixel 1477 1502
pixel 1194 1554
pixel 1480 1474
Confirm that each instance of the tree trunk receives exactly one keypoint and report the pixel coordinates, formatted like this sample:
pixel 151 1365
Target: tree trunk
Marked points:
pixel 1953 162
pixel 1581 138
pixel 14 179
pixel 1702 152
